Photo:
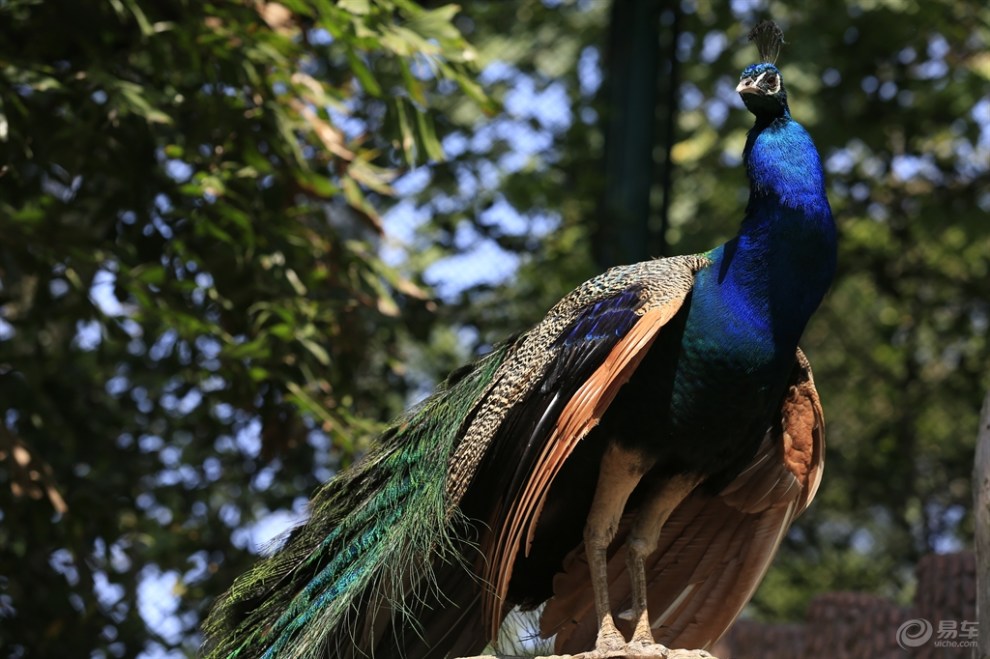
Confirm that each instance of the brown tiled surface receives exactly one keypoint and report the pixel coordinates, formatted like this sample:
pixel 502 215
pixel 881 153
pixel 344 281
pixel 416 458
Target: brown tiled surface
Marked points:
pixel 756 640
pixel 946 597
pixel 860 626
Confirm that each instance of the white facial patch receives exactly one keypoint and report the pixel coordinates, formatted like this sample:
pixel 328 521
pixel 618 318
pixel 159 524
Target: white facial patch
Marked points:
pixel 776 81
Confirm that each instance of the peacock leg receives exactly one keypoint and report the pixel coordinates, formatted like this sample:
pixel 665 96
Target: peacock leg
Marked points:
pixel 642 542
pixel 620 472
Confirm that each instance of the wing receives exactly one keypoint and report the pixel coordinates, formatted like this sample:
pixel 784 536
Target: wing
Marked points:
pixel 525 429
pixel 594 335
pixel 714 550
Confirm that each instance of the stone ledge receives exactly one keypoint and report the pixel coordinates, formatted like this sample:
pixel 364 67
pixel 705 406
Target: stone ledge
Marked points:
pixel 673 654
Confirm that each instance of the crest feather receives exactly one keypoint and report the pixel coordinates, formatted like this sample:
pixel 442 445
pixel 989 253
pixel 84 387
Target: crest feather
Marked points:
pixel 768 38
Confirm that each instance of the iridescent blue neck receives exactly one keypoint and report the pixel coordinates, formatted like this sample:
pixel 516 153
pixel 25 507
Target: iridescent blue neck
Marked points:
pixel 784 168
pixel 776 271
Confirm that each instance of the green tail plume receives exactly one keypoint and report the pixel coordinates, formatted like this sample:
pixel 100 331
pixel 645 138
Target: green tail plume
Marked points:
pixel 374 534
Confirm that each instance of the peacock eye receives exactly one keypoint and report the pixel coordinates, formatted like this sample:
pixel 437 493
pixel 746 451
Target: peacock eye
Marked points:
pixel 771 80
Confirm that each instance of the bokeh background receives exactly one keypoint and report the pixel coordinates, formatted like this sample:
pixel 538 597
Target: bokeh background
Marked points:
pixel 237 237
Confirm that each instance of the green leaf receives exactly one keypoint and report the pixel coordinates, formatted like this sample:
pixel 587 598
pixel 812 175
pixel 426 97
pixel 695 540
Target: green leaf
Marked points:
pixel 428 137
pixel 154 274
pixel 210 228
pixel 255 349
pixel 295 282
pixel 386 303
pixel 363 74
pixel 374 178
pixel 356 7
pixel 357 200
pixel 282 331
pixel 136 102
pixel 471 88
pixel 41 82
pixel 319 184
pixel 437 23
pixel 407 139
pixel 404 42
pixel 316 350
pixel 146 28
pixel 307 404
pixel 284 126
pixel 258 374
pixel 413 86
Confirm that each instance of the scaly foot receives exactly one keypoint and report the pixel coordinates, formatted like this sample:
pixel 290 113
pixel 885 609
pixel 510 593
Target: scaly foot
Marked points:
pixel 610 642
pixel 646 647
pixel 642 643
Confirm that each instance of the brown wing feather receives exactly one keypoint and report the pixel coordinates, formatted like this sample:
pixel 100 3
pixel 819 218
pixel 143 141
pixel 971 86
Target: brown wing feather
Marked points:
pixel 578 417
pixel 714 550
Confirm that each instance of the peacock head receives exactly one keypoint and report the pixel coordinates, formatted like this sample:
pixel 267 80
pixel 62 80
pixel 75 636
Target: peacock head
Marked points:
pixel 761 85
pixel 762 90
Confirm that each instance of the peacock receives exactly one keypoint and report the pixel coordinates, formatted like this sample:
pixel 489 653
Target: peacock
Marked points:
pixel 631 463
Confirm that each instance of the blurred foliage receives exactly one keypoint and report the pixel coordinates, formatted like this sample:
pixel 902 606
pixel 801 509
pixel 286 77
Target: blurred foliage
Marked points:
pixel 190 292
pixel 219 271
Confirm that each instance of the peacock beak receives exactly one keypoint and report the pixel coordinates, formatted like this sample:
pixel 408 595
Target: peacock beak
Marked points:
pixel 749 86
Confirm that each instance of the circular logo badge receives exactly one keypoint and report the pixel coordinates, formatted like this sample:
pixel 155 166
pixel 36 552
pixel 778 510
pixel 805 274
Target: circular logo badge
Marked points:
pixel 914 633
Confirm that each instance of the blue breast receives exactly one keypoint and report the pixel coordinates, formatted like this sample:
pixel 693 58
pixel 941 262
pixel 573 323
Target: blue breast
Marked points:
pixel 750 306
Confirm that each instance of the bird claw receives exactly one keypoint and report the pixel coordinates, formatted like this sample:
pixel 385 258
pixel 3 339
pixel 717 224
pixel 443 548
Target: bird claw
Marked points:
pixel 610 643
pixel 610 648
pixel 646 648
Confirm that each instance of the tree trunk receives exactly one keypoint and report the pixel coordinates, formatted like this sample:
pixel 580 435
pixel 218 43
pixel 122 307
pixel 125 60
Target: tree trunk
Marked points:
pixel 632 61
pixel 981 508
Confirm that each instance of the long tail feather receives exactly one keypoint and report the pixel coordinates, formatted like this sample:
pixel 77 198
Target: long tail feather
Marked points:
pixel 374 535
